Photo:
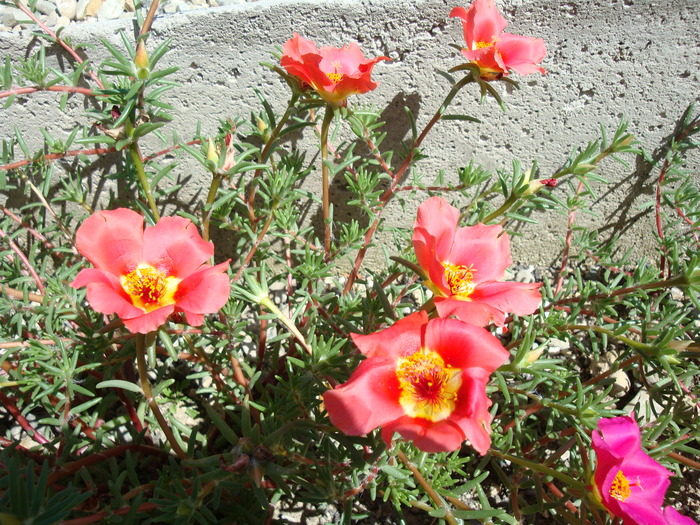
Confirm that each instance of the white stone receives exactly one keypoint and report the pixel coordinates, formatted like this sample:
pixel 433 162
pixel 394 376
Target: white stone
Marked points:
pixel 62 21
pixel 67 8
pixel 43 6
pixel 110 10
pixel 80 13
pixel 52 19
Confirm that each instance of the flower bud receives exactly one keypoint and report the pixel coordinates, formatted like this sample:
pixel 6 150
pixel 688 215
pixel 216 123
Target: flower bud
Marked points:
pixel 212 154
pixel 536 185
pixel 141 61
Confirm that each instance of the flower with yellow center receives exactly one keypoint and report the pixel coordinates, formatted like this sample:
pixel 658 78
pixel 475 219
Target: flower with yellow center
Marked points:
pixel 145 275
pixel 428 387
pixel 627 482
pixel 423 379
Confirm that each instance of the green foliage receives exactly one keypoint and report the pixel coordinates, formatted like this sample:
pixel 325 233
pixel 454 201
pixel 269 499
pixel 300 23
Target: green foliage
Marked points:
pixel 241 395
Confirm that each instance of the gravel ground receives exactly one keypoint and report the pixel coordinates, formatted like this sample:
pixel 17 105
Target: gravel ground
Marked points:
pixel 61 13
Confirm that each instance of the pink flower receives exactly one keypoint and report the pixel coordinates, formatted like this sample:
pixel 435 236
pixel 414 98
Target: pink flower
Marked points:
pixel 464 267
pixel 334 73
pixel 425 380
pixel 673 517
pixel 145 275
pixel 495 52
pixel 629 483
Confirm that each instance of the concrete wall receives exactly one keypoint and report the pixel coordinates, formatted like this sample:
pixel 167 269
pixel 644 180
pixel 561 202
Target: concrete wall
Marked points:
pixel 607 60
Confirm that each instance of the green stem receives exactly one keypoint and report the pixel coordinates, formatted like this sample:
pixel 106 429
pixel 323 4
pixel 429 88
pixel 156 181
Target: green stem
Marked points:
pixel 449 517
pixel 542 469
pixel 211 196
pixel 325 126
pixel 267 150
pixel 138 163
pixel 148 393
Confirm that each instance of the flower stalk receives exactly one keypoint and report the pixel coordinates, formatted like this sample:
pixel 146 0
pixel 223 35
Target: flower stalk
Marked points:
pixel 148 394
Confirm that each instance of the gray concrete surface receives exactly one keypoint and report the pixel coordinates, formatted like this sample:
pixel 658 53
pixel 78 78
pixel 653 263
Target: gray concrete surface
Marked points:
pixel 607 60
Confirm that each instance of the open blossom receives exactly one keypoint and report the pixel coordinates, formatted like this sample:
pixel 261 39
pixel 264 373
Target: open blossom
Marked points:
pixel 464 267
pixel 334 73
pixel 425 380
pixel 496 52
pixel 146 275
pixel 627 481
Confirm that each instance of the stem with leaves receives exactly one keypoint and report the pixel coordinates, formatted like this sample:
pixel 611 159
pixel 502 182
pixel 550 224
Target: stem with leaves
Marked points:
pixel 148 393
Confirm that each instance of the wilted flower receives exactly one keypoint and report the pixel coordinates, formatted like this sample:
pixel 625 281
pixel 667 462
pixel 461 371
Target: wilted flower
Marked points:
pixel 425 380
pixel 495 52
pixel 464 266
pixel 334 73
pixel 145 275
pixel 627 481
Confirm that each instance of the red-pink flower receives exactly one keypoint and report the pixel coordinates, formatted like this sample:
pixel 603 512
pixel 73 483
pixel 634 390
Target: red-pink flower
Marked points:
pixel 425 380
pixel 145 275
pixel 496 52
pixel 628 482
pixel 464 267
pixel 334 73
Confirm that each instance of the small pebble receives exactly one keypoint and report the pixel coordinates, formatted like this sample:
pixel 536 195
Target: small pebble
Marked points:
pixel 67 8
pixel 110 10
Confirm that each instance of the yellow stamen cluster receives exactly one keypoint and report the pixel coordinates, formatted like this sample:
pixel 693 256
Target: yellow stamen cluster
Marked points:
pixel 335 77
pixel 149 288
pixel 482 45
pixel 620 487
pixel 459 279
pixel 428 387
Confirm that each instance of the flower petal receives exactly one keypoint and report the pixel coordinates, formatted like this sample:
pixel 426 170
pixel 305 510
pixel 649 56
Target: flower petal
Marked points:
pixel 521 54
pixel 205 291
pixel 401 338
pixel 368 400
pixel 175 247
pixel 477 314
pixel 464 346
pixel 673 517
pixel 472 414
pixel 443 436
pixel 105 293
pixel 149 322
pixel 434 230
pixel 485 247
pixel 519 298
pixel 112 240
pixel 482 23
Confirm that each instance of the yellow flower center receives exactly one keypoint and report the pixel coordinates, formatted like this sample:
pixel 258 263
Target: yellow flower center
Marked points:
pixel 620 487
pixel 149 288
pixel 459 279
pixel 482 45
pixel 335 77
pixel 428 387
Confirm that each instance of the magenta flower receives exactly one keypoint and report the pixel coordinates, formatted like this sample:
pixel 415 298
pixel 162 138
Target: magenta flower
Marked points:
pixel 495 52
pixel 144 276
pixel 464 267
pixel 627 481
pixel 425 380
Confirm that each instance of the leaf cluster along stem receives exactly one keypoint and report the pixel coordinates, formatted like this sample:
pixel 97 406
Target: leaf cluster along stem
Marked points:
pixel 398 176
pixel 150 400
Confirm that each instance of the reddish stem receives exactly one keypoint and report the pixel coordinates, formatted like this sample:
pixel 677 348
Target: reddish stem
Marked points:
pixel 567 244
pixel 54 156
pixel 11 406
pixel 64 89
pixel 25 261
